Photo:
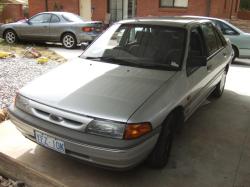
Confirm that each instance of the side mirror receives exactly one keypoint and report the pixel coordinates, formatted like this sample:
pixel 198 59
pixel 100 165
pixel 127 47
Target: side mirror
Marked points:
pixel 197 61
pixel 28 22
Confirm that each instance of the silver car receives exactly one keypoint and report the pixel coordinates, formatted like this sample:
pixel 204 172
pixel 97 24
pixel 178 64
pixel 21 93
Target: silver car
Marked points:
pixel 240 40
pixel 64 27
pixel 123 100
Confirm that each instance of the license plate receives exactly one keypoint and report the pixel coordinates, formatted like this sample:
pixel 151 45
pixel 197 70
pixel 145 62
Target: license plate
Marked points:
pixel 50 142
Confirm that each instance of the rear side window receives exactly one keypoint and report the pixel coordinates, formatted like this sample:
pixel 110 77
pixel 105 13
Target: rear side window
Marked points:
pixel 210 38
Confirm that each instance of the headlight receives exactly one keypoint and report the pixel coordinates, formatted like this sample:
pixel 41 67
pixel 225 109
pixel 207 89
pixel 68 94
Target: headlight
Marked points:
pixel 119 130
pixel 22 103
pixel 107 129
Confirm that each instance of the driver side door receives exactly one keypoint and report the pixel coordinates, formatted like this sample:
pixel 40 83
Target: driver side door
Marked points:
pixel 37 28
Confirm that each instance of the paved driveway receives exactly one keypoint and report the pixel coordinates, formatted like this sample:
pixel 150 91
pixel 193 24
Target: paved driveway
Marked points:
pixel 213 149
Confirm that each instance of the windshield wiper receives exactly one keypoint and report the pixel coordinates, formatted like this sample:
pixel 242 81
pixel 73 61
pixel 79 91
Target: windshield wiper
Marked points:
pixel 112 60
pixel 127 62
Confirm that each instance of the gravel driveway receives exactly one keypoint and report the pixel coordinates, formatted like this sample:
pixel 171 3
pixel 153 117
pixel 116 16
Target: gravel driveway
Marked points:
pixel 15 73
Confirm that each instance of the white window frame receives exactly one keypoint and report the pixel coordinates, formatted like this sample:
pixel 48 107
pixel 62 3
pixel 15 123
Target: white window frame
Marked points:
pixel 175 4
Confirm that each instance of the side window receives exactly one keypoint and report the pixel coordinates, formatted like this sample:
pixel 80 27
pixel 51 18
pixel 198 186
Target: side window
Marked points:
pixel 210 38
pixel 196 50
pixel 227 30
pixel 55 19
pixel 220 38
pixel 42 18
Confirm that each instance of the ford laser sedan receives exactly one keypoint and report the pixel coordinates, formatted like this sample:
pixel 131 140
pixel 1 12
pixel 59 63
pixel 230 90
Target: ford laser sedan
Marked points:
pixel 64 27
pixel 123 100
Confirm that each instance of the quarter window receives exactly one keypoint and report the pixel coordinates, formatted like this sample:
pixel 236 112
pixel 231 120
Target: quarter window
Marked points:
pixel 173 3
pixel 55 19
pixel 210 38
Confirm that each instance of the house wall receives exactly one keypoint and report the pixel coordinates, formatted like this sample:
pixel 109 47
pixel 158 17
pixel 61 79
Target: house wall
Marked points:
pixel 99 9
pixel 85 9
pixel 218 8
pixel 36 6
pixel 11 13
pixel 243 14
pixel 199 8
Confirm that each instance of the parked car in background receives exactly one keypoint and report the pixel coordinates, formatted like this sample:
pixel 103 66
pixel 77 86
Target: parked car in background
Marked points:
pixel 240 40
pixel 64 27
pixel 125 97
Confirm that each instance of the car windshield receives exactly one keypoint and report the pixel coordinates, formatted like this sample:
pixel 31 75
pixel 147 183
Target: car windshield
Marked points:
pixel 72 17
pixel 140 45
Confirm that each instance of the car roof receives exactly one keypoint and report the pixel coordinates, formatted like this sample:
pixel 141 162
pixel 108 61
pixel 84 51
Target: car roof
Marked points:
pixel 56 12
pixel 176 21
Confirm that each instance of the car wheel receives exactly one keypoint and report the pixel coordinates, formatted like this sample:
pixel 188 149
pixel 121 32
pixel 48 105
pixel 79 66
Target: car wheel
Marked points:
pixel 160 155
pixel 236 53
pixel 69 41
pixel 219 89
pixel 10 37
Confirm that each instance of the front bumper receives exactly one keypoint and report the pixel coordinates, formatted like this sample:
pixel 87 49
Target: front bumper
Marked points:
pixel 117 158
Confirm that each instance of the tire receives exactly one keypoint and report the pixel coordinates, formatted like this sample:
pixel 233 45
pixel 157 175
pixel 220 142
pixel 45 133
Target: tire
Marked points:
pixel 219 89
pixel 159 157
pixel 10 37
pixel 236 54
pixel 69 41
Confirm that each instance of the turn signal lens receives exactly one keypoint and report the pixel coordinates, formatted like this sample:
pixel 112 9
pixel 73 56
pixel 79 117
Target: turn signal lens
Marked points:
pixel 137 130
pixel 87 29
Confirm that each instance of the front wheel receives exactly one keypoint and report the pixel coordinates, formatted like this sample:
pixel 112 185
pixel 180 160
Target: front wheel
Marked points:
pixel 219 89
pixel 10 37
pixel 160 155
pixel 69 41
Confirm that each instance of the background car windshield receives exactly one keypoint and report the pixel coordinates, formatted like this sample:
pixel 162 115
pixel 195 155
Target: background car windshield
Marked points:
pixel 72 17
pixel 145 45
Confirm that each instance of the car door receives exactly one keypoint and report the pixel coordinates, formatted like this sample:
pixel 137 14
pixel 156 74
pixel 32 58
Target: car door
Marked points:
pixel 217 54
pixel 56 28
pixel 37 27
pixel 196 70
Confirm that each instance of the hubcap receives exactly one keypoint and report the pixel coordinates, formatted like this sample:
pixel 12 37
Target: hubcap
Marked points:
pixel 68 41
pixel 10 37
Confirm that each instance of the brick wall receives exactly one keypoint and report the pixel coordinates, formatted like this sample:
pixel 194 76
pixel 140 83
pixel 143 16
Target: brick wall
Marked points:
pixel 244 15
pixel 199 8
pixel 36 6
pixel 99 9
pixel 219 8
pixel 11 13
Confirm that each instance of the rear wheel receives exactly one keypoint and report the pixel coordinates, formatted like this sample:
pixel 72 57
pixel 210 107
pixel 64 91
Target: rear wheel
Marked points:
pixel 10 37
pixel 160 155
pixel 220 86
pixel 69 41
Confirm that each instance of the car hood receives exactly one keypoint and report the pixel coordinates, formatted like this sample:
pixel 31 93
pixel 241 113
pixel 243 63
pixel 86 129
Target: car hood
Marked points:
pixel 96 89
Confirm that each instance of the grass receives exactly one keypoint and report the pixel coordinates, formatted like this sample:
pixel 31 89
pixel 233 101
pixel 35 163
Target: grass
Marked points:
pixel 20 48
